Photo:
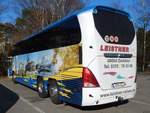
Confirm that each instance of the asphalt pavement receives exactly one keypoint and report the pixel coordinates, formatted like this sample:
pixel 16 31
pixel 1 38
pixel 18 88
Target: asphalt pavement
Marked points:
pixel 16 98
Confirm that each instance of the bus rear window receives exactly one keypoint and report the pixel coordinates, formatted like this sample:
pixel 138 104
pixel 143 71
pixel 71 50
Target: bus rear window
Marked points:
pixel 114 24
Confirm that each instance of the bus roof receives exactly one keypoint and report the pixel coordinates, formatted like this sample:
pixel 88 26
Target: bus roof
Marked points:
pixel 52 26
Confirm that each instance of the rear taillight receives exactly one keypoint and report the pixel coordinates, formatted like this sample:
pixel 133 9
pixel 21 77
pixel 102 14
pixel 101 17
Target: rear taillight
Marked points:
pixel 89 79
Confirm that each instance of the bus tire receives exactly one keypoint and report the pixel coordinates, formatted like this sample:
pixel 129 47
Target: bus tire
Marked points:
pixel 40 88
pixel 53 92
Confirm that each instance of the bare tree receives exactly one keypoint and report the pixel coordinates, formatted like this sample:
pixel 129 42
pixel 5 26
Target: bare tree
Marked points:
pixel 48 11
pixel 72 5
pixel 5 45
pixel 142 9
pixel 38 10
pixel 36 14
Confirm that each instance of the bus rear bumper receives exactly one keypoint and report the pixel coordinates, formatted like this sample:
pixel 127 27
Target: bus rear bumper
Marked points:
pixel 97 96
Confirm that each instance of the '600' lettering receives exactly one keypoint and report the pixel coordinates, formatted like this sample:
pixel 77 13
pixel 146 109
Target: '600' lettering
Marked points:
pixel 111 38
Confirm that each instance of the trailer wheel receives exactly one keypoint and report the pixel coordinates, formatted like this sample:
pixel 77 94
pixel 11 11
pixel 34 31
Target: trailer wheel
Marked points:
pixel 53 92
pixel 40 88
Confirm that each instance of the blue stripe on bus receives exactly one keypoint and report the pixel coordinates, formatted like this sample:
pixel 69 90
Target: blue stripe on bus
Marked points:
pixel 75 86
pixel 26 81
pixel 32 83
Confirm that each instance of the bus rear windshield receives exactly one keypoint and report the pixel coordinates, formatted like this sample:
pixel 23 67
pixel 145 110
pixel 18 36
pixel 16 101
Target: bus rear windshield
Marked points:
pixel 113 23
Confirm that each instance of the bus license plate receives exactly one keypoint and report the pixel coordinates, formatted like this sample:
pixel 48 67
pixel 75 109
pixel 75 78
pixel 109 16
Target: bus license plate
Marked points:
pixel 118 85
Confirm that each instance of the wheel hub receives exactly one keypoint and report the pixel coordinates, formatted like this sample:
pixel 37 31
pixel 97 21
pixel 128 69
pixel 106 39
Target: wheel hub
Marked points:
pixel 40 88
pixel 53 91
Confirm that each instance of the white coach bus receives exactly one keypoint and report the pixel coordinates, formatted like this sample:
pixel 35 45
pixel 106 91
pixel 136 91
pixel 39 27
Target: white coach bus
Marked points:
pixel 86 59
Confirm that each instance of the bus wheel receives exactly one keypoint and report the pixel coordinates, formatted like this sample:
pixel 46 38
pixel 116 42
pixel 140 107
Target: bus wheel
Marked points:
pixel 53 92
pixel 40 87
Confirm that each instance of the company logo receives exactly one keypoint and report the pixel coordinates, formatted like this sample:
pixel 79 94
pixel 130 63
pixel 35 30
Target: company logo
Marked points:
pixel 111 38
pixel 113 48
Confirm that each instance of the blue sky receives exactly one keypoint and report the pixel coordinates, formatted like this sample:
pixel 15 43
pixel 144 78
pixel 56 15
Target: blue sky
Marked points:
pixel 13 10
pixel 125 5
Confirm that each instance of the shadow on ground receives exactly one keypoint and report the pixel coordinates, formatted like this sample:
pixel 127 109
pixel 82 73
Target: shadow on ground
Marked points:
pixel 7 99
pixel 98 107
